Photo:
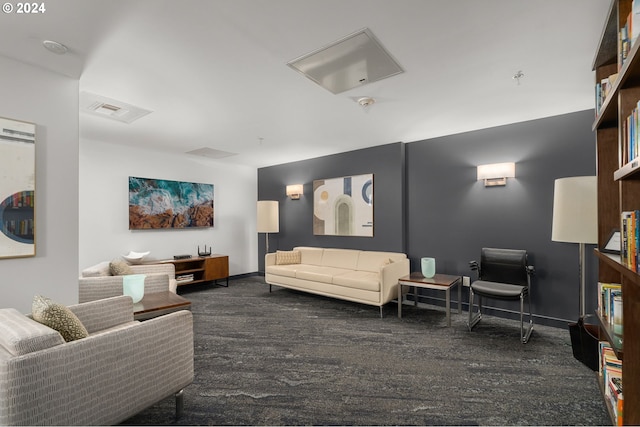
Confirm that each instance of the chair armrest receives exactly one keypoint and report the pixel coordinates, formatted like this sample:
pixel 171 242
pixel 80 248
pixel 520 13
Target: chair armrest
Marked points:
pixel 164 267
pixel 95 288
pixel 531 270
pixel 474 266
pixel 104 313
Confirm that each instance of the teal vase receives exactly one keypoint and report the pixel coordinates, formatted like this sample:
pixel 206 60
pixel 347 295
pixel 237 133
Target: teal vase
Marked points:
pixel 133 286
pixel 428 267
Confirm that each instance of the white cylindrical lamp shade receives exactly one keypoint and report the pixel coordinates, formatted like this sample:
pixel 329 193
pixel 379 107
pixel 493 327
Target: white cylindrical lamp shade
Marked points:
pixel 268 218
pixel 575 210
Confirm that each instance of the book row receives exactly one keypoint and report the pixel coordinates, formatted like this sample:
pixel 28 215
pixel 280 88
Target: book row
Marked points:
pixel 610 304
pixel 630 237
pixel 628 33
pixel 22 227
pixel 23 199
pixel 603 88
pixel 610 370
pixel 630 137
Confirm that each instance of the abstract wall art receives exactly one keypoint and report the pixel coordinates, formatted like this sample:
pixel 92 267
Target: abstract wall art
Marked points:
pixel 17 188
pixel 343 206
pixel 161 203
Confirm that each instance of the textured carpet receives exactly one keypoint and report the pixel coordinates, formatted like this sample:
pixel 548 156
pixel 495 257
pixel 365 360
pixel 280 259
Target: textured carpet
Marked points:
pixel 291 358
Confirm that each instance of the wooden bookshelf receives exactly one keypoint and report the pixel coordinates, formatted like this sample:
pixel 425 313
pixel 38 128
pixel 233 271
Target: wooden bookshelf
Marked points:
pixel 618 191
pixel 204 269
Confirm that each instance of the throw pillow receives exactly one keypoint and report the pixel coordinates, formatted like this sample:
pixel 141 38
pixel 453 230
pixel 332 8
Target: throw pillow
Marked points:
pixel 119 267
pixel 58 317
pixel 288 257
pixel 98 270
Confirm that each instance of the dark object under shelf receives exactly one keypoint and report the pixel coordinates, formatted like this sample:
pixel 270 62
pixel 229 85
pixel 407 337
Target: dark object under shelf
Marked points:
pixel 584 341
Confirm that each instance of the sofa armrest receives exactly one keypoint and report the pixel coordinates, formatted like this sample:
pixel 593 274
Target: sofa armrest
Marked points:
pixel 389 275
pixel 95 288
pixel 269 259
pixel 104 313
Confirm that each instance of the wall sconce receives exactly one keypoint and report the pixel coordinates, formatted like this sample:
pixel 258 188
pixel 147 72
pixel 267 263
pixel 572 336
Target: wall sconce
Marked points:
pixel 294 191
pixel 496 174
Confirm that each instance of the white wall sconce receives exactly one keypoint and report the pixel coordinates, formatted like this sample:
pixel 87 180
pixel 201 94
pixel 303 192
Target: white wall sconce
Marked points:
pixel 496 174
pixel 294 191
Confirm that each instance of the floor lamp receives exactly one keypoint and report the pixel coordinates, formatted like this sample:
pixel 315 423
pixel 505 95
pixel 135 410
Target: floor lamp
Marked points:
pixel 268 218
pixel 575 218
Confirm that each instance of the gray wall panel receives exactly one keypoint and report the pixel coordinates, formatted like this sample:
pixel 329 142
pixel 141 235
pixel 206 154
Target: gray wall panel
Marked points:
pixel 429 203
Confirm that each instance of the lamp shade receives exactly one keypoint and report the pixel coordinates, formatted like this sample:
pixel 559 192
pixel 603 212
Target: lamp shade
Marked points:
pixel 268 221
pixel 575 210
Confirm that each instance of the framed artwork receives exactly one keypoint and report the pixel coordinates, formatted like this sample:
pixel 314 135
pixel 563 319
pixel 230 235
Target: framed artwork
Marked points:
pixel 17 188
pixel 613 243
pixel 161 203
pixel 343 206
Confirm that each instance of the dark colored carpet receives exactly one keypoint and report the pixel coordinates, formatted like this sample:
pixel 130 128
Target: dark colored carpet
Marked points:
pixel 291 358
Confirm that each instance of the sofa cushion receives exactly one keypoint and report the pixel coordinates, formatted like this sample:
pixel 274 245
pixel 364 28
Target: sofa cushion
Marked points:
pixel 21 335
pixel 318 273
pixel 58 317
pixel 364 280
pixel 372 261
pixel 311 256
pixel 288 270
pixel 98 270
pixel 288 257
pixel 341 258
pixel 119 267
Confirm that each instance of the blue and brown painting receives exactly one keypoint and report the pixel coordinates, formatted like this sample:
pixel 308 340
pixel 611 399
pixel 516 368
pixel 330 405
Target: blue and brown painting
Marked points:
pixel 160 203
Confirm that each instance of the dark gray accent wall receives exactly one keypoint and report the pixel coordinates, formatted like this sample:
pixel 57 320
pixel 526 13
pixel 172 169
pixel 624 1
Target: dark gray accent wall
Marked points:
pixel 451 215
pixel 385 162
pixel 428 202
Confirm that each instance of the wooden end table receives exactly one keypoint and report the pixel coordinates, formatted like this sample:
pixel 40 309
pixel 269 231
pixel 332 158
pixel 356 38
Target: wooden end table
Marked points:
pixel 441 282
pixel 154 304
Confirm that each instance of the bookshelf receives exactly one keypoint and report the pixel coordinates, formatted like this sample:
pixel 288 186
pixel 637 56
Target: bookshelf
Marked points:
pixel 619 185
pixel 201 269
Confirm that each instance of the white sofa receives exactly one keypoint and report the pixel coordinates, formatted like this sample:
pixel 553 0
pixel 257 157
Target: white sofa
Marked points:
pixel 96 282
pixel 367 277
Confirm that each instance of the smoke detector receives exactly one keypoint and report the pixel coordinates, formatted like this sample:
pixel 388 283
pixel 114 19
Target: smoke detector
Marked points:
pixel 366 101
pixel 55 47
pixel 110 108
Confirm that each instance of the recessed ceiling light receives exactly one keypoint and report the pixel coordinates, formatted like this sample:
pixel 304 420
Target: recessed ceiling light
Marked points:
pixel 55 47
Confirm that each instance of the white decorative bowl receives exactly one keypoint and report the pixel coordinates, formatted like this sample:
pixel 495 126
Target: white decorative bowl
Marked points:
pixel 135 257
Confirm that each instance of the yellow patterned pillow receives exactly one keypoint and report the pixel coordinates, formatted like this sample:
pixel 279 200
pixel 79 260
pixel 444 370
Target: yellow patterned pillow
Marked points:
pixel 288 257
pixel 58 317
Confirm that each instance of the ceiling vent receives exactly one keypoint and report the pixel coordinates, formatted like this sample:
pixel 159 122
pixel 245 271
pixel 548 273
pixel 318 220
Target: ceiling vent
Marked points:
pixel 211 153
pixel 350 62
pixel 110 108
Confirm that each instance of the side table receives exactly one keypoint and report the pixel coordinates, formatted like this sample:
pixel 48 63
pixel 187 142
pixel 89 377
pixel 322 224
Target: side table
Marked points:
pixel 441 282
pixel 154 304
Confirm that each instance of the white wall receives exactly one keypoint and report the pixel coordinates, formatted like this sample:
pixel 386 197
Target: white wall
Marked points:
pixel 104 207
pixel 51 102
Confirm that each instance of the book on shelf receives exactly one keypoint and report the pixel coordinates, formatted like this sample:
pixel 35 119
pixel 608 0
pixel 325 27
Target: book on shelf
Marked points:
pixel 630 239
pixel 608 294
pixel 603 88
pixel 182 278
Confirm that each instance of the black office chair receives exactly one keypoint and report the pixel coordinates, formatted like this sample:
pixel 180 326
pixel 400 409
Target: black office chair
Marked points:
pixel 502 274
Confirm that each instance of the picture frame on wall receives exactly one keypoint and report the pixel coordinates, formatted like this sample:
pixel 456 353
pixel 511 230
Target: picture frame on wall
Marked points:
pixel 163 203
pixel 17 188
pixel 343 206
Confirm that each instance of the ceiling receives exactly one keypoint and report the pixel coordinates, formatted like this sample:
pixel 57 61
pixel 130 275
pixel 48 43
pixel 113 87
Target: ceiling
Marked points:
pixel 214 72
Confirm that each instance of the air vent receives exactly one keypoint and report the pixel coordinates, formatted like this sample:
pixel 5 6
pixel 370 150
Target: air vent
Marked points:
pixel 353 61
pixel 211 153
pixel 110 108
